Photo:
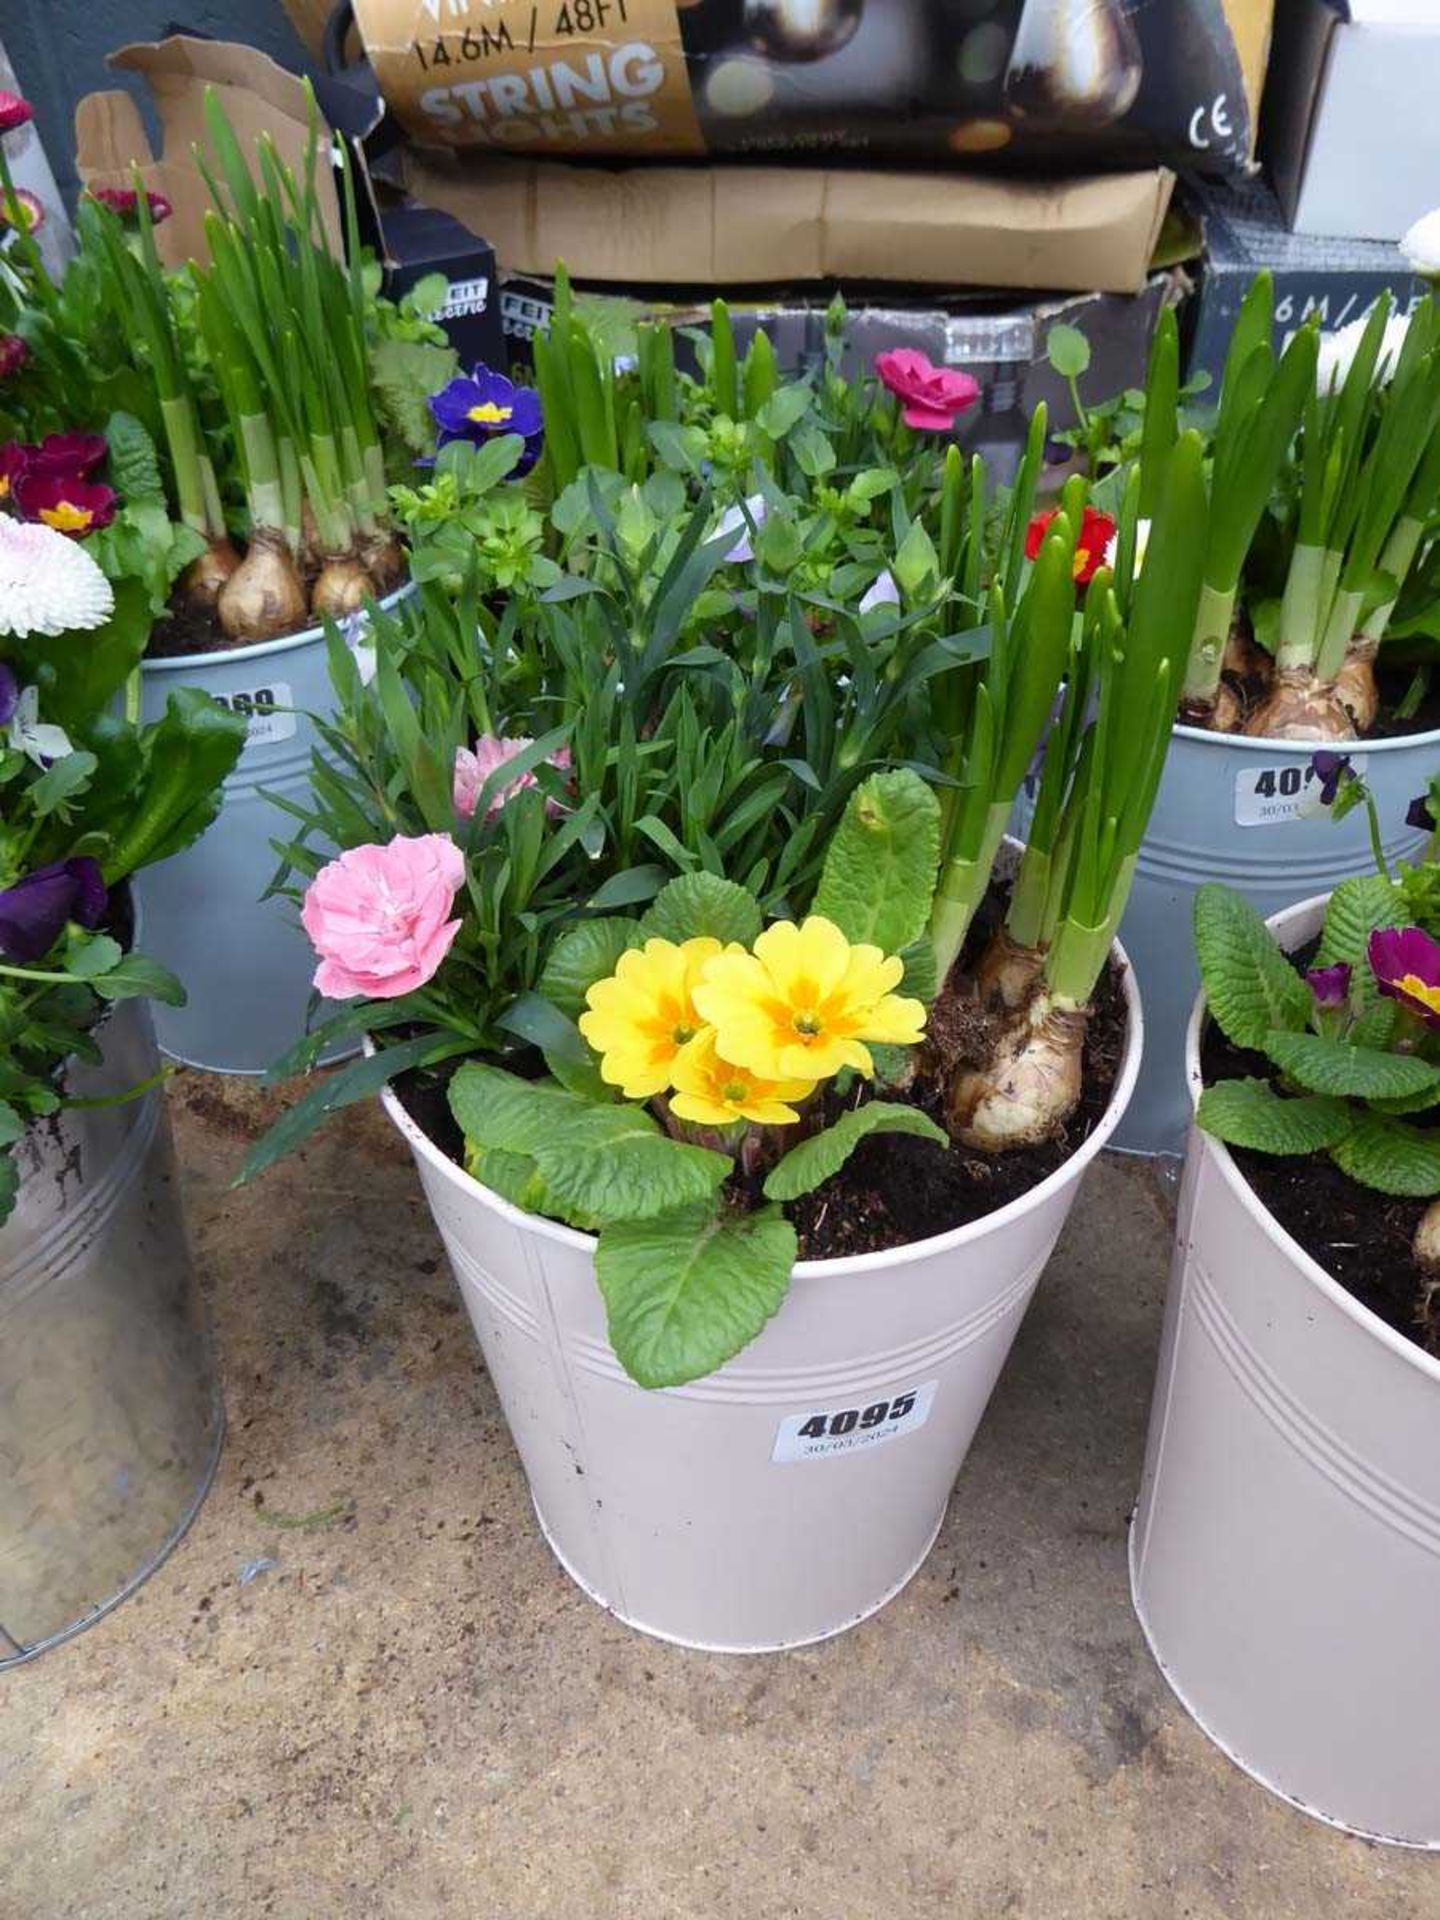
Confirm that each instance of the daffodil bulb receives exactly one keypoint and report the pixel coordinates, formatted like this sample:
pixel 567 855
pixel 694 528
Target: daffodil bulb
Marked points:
pixel 1420 244
pixel 48 584
pixel 1338 350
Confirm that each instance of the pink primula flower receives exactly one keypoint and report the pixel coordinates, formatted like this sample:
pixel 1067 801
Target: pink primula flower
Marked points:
pixel 378 916
pixel 930 396
pixel 472 770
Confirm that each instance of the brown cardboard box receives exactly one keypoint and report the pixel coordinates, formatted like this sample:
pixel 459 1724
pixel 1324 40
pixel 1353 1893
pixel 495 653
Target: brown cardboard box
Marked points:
pixel 259 97
pixel 309 17
pixel 749 226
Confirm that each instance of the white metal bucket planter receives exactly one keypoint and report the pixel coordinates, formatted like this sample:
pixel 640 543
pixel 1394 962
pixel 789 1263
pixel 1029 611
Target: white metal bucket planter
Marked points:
pixel 110 1413
pixel 1285 1552
pixel 1245 812
pixel 246 963
pixel 796 1490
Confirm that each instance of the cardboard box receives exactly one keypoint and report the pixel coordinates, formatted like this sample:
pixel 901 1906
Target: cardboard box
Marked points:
pixel 1336 278
pixel 259 97
pixel 1351 131
pixel 753 226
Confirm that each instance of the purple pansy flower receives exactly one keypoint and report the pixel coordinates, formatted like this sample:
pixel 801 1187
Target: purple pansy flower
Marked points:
pixel 9 694
pixel 482 406
pixel 1418 814
pixel 34 912
pixel 1406 965
pixel 1330 985
pixel 1330 769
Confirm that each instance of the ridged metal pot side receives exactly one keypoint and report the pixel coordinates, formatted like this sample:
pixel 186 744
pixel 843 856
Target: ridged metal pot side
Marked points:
pixel 111 1418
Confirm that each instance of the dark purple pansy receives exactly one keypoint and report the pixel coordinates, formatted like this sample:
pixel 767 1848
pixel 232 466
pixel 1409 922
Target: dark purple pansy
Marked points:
pixel 1330 985
pixel 482 405
pixel 34 912
pixel 9 694
pixel 1418 814
pixel 1406 965
pixel 1330 769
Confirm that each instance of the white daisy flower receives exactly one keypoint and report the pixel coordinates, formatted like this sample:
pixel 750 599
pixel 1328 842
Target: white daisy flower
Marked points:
pixel 49 584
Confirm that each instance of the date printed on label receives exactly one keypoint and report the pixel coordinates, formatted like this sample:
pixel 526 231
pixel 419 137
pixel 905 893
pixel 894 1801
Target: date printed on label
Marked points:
pixel 266 710
pixel 1289 790
pixel 850 1428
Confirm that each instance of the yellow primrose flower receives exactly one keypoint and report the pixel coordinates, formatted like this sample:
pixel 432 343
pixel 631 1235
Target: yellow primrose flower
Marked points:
pixel 802 1005
pixel 709 1091
pixel 643 1014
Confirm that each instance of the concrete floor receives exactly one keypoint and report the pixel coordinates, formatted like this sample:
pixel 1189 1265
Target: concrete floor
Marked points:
pixel 408 1710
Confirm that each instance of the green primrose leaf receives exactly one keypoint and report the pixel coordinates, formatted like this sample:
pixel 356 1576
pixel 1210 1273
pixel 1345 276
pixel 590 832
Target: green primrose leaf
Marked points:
pixel 1341 1068
pixel 613 1163
pixel 698 904
pixel 1357 908
pixel 1068 351
pixel 505 1114
pixel 12 1124
pixel 583 954
pixel 132 464
pixel 1252 988
pixel 1386 1154
pixel 516 1178
pixel 879 874
pixel 1250 1113
pixel 821 1156
pixel 687 1290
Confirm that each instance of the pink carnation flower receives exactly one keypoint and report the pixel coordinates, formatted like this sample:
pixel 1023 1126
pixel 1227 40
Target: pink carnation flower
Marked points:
pixel 930 396
pixel 472 770
pixel 378 916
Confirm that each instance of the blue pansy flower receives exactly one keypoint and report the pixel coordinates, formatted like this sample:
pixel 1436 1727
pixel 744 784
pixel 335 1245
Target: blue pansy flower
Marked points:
pixel 482 405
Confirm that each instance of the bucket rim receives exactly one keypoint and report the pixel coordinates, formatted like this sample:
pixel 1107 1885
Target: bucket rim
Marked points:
pixel 970 1234
pixel 1299 922
pixel 1304 749
pixel 261 649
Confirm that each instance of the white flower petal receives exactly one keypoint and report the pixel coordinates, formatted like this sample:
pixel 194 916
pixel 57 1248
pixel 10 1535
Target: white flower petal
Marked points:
pixel 1420 243
pixel 883 592
pixel 48 583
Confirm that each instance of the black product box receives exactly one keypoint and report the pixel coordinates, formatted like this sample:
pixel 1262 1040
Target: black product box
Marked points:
pixel 998 340
pixel 1244 232
pixel 417 242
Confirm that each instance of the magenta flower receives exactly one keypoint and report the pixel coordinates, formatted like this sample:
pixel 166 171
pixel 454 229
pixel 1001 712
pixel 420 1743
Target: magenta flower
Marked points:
pixel 125 201
pixel 69 455
pixel 1330 985
pixel 32 210
pixel 14 112
pixel 379 916
pixel 69 505
pixel 34 912
pixel 472 770
pixel 13 354
pixel 1406 965
pixel 931 396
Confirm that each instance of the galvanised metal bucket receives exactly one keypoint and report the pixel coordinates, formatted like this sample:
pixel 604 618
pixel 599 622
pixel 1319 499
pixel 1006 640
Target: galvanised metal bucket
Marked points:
pixel 792 1493
pixel 111 1418
pixel 1247 813
pixel 246 964
pixel 1285 1551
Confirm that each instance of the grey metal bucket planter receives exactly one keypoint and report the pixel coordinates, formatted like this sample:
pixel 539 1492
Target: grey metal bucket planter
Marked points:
pixel 246 963
pixel 111 1419
pixel 1247 813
